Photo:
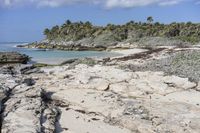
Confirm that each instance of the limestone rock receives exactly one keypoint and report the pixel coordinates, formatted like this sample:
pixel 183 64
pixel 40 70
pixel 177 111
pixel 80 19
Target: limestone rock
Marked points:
pixel 13 57
pixel 29 81
pixel 198 87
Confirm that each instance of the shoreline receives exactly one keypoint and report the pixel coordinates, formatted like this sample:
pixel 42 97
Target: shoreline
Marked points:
pixel 94 94
pixel 60 58
pixel 119 54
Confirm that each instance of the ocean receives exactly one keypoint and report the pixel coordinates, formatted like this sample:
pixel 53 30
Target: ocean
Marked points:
pixel 52 56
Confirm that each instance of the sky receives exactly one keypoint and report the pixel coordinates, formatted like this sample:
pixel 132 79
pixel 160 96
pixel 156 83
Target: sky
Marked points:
pixel 25 20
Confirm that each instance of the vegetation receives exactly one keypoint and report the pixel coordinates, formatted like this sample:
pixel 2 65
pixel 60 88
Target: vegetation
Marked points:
pixel 40 65
pixel 184 64
pixel 75 31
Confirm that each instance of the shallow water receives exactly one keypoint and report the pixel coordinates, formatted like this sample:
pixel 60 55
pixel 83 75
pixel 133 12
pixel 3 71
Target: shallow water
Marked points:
pixel 53 56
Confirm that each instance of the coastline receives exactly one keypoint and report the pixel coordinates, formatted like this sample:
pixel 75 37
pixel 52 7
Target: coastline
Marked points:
pixel 56 57
pixel 95 93
pixel 108 70
pixel 116 54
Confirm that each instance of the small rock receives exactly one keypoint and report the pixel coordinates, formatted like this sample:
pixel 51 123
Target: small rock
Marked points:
pixel 198 87
pixel 103 86
pixel 29 82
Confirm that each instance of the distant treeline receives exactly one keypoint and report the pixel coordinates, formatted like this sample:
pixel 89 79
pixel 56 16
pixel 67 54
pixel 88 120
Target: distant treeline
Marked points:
pixel 74 31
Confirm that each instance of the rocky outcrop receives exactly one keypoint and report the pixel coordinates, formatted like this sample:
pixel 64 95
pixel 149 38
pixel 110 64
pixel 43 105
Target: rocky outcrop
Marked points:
pixel 13 57
pixel 68 46
pixel 105 43
pixel 23 106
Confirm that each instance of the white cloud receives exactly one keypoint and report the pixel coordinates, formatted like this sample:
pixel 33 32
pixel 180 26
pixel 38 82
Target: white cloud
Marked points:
pixel 170 2
pixel 50 3
pixel 105 3
pixel 56 3
pixel 128 3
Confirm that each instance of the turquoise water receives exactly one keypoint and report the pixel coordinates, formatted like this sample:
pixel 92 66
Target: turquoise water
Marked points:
pixel 53 56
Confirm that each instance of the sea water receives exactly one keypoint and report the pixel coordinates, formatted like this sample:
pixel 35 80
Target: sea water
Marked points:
pixel 52 56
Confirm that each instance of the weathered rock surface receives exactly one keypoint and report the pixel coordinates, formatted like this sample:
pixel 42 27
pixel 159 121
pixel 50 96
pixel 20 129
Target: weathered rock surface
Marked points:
pixel 198 87
pixel 21 103
pixel 133 101
pixel 13 57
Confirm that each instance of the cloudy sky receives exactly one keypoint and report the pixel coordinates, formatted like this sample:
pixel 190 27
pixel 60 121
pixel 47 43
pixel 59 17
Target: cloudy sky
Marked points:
pixel 24 20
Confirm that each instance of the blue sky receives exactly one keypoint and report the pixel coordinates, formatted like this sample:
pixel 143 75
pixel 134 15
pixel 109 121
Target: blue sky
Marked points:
pixel 25 20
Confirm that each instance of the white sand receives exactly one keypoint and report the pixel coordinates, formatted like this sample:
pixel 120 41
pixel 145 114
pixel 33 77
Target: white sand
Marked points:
pixel 127 52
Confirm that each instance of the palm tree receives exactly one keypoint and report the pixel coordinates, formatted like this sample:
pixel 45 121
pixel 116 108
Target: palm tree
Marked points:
pixel 55 31
pixel 150 19
pixel 68 22
pixel 47 32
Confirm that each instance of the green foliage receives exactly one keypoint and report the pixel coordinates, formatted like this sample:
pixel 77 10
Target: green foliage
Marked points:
pixel 150 19
pixel 75 31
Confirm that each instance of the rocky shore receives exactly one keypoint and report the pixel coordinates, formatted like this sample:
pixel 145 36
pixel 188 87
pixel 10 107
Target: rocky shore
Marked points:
pixel 134 93
pixel 13 57
pixel 89 44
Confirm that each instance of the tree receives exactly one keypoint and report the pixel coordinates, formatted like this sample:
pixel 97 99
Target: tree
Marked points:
pixel 189 23
pixel 88 24
pixel 55 31
pixel 68 22
pixel 157 24
pixel 150 19
pixel 46 32
pixel 110 27
pixel 79 30
pixel 130 23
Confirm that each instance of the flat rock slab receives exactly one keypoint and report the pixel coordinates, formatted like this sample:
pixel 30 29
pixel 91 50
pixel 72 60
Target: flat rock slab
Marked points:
pixel 121 101
pixel 75 122
pixel 122 82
